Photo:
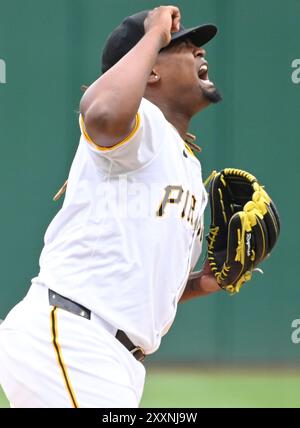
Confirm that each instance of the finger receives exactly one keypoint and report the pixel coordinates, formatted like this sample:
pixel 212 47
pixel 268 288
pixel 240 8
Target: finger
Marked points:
pixel 176 24
pixel 175 18
pixel 174 9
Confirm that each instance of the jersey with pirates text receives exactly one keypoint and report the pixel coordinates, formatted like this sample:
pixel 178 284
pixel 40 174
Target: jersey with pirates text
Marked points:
pixel 130 229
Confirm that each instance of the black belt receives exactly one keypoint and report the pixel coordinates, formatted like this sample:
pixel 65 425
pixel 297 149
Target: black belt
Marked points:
pixel 59 301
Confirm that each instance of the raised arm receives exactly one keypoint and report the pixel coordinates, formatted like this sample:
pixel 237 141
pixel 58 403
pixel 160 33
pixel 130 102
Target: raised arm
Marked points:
pixel 110 104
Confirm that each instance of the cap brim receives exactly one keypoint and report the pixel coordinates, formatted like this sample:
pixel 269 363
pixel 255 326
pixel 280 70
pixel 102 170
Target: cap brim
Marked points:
pixel 198 35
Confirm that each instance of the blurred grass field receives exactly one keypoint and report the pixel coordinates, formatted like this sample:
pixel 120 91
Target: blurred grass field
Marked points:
pixel 222 388
pixel 180 388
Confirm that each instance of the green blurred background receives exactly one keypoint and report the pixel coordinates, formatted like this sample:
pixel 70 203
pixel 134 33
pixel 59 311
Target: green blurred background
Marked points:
pixel 50 49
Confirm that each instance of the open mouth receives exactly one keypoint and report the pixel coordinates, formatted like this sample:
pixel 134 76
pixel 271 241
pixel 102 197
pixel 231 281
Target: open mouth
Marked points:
pixel 203 75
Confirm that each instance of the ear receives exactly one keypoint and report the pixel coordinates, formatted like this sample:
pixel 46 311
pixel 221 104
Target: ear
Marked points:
pixel 154 77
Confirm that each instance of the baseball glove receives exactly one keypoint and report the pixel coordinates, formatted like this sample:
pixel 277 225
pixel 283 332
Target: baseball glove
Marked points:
pixel 244 227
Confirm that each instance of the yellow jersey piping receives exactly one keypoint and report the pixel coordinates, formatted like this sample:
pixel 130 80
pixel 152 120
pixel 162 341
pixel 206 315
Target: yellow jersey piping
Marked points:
pixel 60 360
pixel 120 143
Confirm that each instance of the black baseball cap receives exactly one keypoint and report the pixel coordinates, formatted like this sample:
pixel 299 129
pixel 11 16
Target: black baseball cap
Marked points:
pixel 129 33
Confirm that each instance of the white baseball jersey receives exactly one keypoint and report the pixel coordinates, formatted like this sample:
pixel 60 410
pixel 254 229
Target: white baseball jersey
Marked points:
pixel 130 230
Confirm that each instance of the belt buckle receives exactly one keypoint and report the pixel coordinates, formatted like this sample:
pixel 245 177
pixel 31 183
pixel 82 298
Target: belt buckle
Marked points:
pixel 136 350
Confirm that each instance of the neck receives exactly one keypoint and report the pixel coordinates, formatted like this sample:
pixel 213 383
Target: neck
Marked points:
pixel 178 119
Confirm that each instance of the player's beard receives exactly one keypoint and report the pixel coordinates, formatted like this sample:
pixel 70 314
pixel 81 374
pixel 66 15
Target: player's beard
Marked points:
pixel 212 95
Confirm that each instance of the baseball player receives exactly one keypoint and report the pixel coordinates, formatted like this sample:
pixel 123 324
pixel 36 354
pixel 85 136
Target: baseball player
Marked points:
pixel 118 255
